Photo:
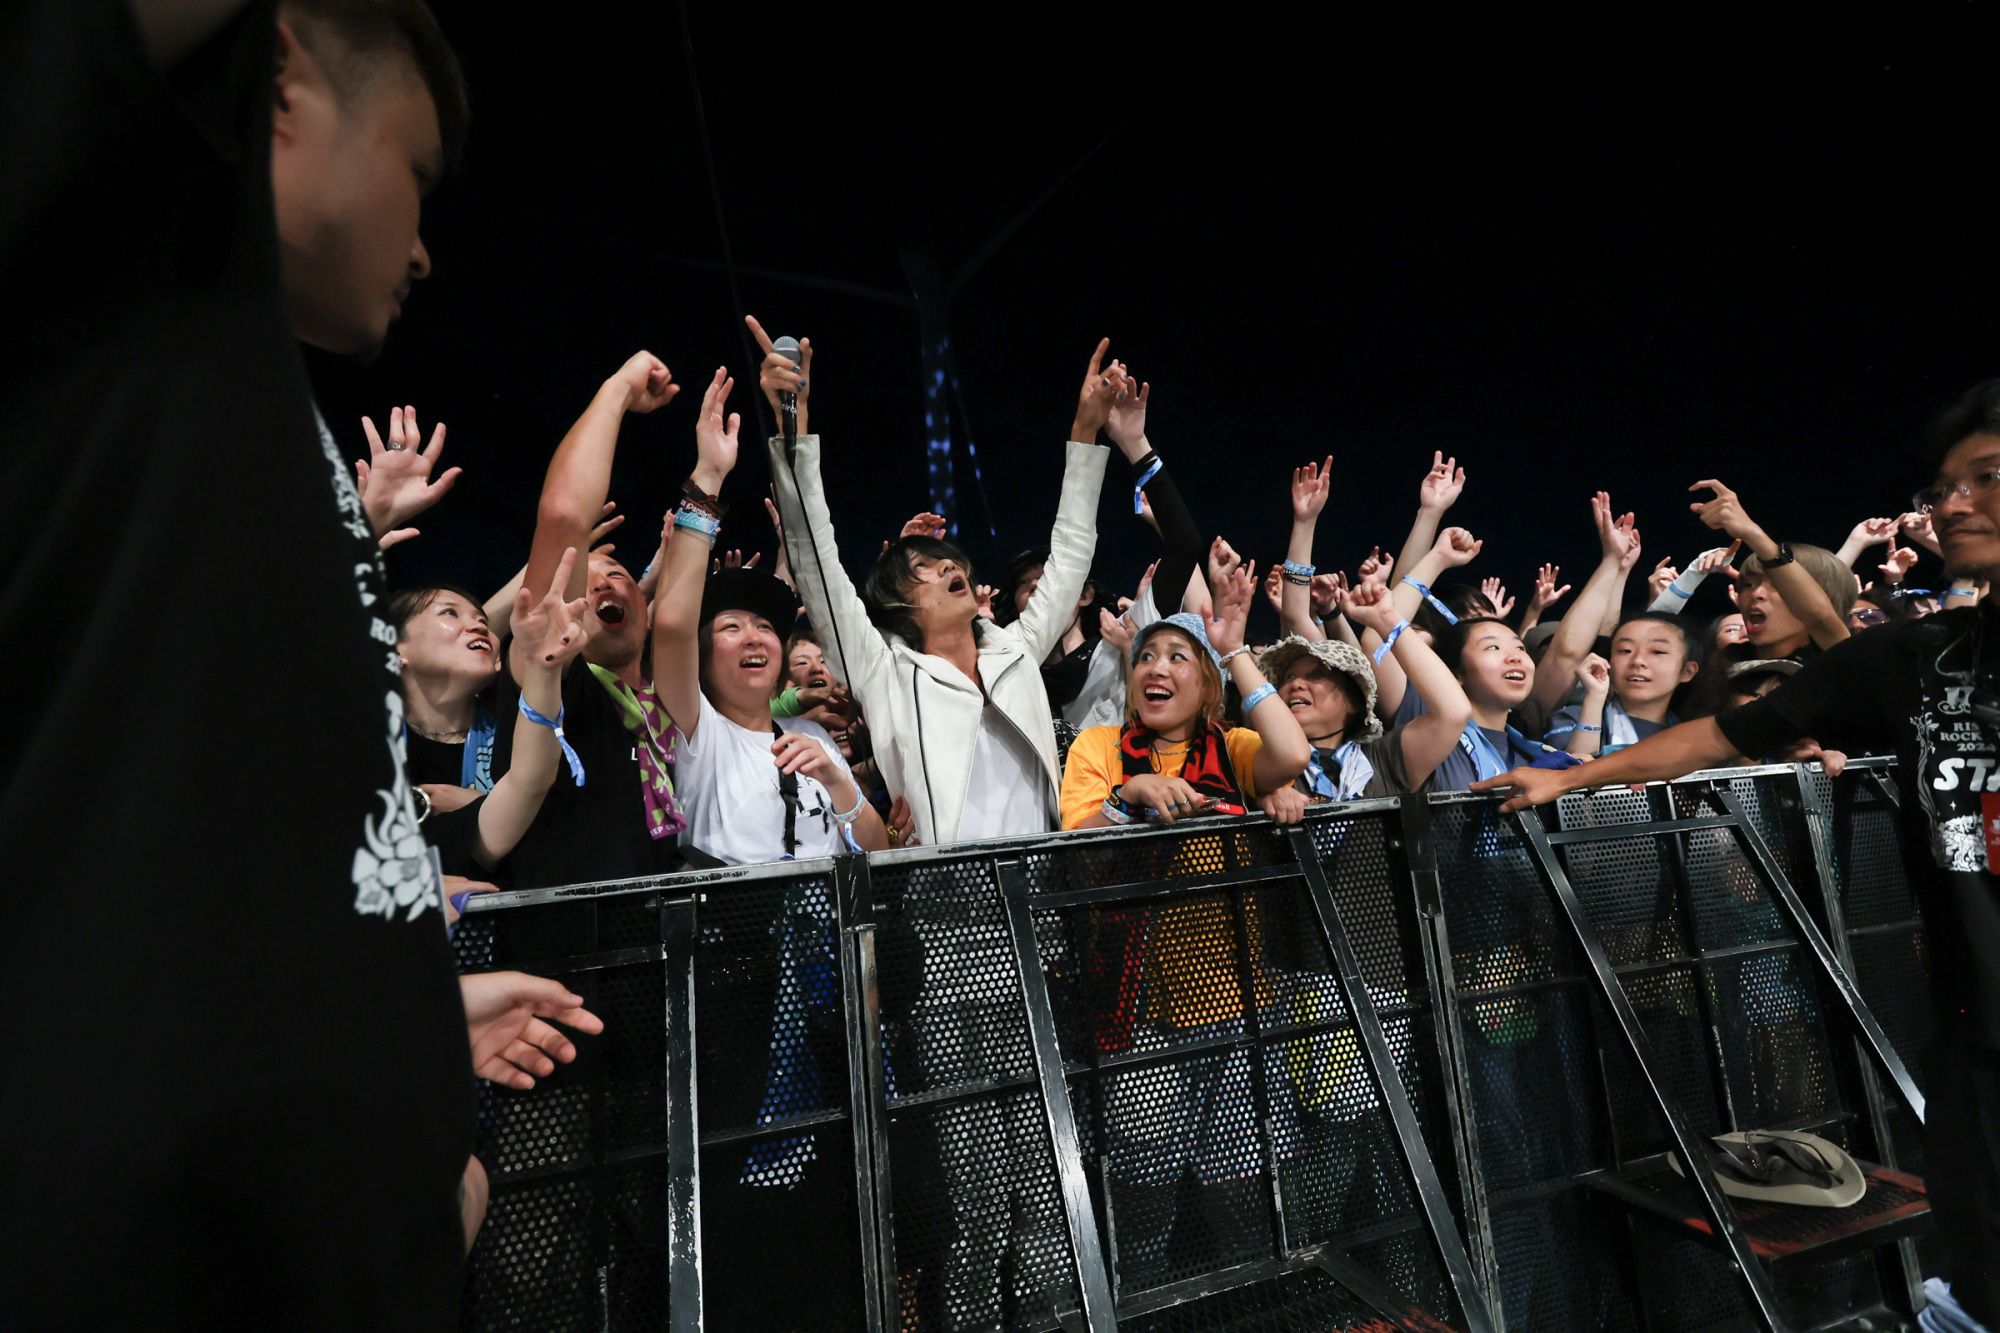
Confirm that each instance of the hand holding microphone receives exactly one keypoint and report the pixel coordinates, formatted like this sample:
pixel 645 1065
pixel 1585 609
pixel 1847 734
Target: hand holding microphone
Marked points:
pixel 784 377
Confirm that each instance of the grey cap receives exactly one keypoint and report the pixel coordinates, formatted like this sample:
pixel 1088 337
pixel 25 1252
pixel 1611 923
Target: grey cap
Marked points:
pixel 1333 654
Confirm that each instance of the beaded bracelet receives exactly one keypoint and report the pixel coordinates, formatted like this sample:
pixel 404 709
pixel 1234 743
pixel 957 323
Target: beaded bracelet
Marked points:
pixel 1257 696
pixel 1223 661
pixel 1390 642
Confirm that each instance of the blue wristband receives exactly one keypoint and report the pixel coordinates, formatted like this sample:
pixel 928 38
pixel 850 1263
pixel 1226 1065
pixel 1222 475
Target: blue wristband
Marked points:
pixel 696 520
pixel 1961 592
pixel 1258 695
pixel 1430 597
pixel 1390 642
pixel 556 725
pixel 1139 487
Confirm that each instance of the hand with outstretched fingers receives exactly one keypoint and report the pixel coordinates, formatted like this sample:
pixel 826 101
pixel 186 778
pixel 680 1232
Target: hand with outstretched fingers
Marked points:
pixel 508 1017
pixel 1311 485
pixel 1442 484
pixel 549 630
pixel 395 478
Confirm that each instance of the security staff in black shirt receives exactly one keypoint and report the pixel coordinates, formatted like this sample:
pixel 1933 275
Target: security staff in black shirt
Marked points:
pixel 1927 690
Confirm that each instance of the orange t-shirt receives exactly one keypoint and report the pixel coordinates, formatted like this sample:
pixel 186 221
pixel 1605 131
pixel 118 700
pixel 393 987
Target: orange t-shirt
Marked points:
pixel 1094 767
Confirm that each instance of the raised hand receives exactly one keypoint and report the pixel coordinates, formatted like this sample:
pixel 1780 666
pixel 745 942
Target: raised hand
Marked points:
pixel 1872 532
pixel 715 435
pixel 1325 593
pixel 1102 386
pixel 511 1044
pixel 1116 630
pixel 608 519
pixel 1370 607
pixel 1310 485
pixel 1632 547
pixel 985 593
pixel 777 373
pixel 1376 568
pixel 1127 423
pixel 1610 537
pixel 1456 547
pixel 1546 591
pixel 1233 593
pixel 1901 560
pixel 1442 484
pixel 1496 593
pixel 1663 574
pixel 1274 588
pixel 1919 528
pixel 1724 512
pixel 1717 560
pixel 732 560
pixel 647 382
pixel 395 479
pixel 924 525
pixel 1222 561
pixel 548 629
pixel 1594 674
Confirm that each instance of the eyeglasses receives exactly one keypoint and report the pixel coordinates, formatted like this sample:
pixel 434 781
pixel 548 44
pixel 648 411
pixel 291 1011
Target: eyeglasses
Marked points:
pixel 1867 616
pixel 1979 483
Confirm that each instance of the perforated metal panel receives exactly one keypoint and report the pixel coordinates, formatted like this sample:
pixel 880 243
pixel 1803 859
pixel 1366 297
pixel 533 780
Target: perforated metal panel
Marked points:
pixel 1222 1093
pixel 575 1235
pixel 980 1239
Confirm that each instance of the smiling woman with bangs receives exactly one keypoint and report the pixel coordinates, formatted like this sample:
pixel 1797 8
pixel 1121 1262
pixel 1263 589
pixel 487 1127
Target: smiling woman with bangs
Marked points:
pixel 1172 759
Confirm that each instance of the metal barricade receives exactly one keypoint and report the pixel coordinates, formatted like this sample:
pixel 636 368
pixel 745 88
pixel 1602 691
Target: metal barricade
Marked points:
pixel 1350 1075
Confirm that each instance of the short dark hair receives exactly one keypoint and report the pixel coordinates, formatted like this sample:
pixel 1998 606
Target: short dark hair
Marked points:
pixel 410 603
pixel 350 38
pixel 1451 642
pixel 1974 412
pixel 886 590
pixel 1016 574
pixel 1463 599
pixel 1691 645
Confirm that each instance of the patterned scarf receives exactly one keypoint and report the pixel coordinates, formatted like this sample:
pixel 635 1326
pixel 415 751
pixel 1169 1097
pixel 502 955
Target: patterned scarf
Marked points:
pixel 1207 768
pixel 1337 775
pixel 649 724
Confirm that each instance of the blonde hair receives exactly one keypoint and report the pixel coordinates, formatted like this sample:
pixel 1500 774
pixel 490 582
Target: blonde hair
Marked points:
pixel 1211 680
pixel 1823 566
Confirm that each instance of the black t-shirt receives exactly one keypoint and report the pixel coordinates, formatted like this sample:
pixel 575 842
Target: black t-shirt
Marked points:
pixel 245 1098
pixel 432 761
pixel 596 831
pixel 1907 688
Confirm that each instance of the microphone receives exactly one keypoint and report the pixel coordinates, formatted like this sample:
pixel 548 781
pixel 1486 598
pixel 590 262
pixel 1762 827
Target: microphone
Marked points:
pixel 788 402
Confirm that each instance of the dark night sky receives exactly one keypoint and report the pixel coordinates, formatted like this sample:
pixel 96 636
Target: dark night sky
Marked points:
pixel 1575 258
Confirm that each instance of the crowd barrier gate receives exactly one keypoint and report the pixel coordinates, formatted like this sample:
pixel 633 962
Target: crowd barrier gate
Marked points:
pixel 1410 1065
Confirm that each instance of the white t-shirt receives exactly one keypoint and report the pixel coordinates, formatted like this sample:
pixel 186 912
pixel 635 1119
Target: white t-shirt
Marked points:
pixel 1010 793
pixel 727 783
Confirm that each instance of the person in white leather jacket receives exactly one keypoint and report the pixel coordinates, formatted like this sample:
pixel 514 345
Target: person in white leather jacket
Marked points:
pixel 960 716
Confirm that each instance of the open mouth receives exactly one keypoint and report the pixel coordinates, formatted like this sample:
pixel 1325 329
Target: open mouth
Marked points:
pixel 480 645
pixel 1156 694
pixel 957 586
pixel 1514 677
pixel 754 662
pixel 610 612
pixel 1753 620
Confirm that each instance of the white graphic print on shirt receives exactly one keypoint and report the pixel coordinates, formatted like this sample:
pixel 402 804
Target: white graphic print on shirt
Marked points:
pixel 393 866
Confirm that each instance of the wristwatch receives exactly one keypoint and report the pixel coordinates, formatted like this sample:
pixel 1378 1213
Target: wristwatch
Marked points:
pixel 1784 557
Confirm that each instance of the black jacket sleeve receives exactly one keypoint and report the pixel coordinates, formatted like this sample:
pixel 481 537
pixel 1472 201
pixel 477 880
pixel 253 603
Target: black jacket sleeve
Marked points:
pixel 1186 552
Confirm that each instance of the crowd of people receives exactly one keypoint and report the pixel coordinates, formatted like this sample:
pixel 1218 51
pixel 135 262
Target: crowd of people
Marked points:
pixel 592 720
pixel 729 715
